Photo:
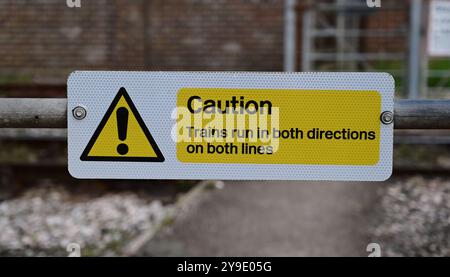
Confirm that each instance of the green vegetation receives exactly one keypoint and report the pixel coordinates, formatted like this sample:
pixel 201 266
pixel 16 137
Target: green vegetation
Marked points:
pixel 396 69
pixel 439 65
pixel 15 79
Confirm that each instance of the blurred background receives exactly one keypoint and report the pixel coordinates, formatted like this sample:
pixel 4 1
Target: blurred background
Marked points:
pixel 43 211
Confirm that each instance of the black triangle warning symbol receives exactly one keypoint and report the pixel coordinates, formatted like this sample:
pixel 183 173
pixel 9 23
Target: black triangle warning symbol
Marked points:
pixel 122 135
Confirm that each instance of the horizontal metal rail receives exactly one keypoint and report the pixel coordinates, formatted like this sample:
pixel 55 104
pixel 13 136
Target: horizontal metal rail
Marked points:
pixel 350 57
pixel 52 113
pixel 422 114
pixel 33 113
pixel 333 32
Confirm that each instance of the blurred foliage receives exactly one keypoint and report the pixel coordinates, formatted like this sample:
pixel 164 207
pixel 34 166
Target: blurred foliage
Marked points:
pixel 395 68
pixel 422 156
pixel 439 65
pixel 15 79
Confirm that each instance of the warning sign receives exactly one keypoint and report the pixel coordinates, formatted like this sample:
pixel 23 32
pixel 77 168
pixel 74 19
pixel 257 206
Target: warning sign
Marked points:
pixel 122 135
pixel 236 125
pixel 278 126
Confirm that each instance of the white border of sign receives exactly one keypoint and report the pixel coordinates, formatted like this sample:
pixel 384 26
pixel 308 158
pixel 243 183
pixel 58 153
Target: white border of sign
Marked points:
pixel 155 97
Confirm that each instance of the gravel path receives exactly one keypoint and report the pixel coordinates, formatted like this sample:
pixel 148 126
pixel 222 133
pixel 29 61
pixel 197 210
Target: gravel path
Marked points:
pixel 405 216
pixel 414 218
pixel 275 219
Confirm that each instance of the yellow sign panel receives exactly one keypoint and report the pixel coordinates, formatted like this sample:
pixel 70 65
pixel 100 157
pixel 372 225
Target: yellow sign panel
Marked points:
pixel 122 135
pixel 278 126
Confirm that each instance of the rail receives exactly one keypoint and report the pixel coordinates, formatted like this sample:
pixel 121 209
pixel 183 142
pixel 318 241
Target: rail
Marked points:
pixel 52 113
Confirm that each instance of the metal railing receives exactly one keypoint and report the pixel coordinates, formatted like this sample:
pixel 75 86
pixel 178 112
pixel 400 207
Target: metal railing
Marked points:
pixel 52 113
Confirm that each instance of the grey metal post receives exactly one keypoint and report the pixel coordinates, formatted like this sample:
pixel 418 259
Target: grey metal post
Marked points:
pixel 425 58
pixel 290 36
pixel 414 49
pixel 307 26
pixel 340 35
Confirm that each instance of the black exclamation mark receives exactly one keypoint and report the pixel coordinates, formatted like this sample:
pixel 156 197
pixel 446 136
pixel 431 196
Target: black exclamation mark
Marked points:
pixel 122 126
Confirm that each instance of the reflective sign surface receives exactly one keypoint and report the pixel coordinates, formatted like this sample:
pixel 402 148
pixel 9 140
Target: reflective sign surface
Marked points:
pixel 201 125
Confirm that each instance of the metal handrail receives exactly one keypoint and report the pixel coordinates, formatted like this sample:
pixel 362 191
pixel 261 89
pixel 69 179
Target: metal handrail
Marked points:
pixel 52 113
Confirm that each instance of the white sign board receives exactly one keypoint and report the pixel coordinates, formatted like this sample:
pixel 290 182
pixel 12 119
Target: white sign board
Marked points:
pixel 218 125
pixel 439 29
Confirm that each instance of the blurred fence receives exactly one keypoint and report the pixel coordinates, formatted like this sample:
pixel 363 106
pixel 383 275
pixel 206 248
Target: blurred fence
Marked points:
pixel 347 35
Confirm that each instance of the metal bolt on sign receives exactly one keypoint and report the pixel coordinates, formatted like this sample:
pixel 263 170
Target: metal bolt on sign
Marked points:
pixel 387 117
pixel 79 113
